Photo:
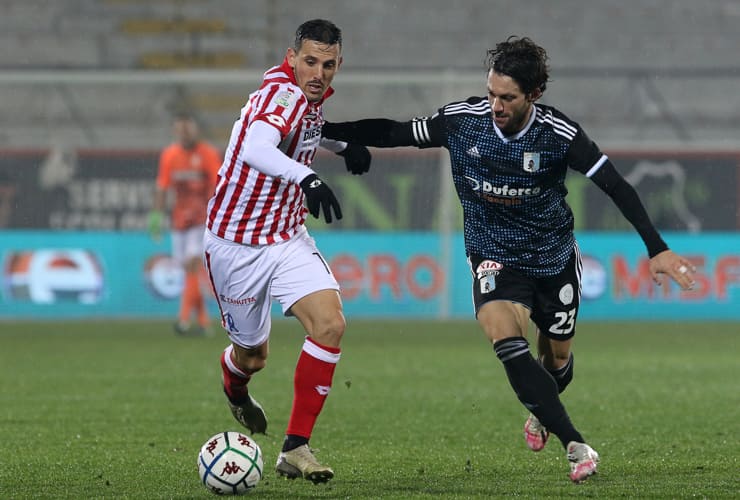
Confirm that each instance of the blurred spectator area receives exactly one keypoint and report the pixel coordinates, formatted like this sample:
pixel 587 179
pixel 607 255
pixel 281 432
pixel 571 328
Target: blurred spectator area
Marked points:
pixel 130 34
pixel 638 73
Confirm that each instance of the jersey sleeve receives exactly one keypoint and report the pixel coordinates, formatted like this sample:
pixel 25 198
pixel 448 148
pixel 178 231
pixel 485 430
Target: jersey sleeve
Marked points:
pixel 385 133
pixel 584 155
pixel 281 106
pixel 428 132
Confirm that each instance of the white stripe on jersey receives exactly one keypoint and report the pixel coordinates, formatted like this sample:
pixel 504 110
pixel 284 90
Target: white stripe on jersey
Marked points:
pixel 252 207
pixel 480 108
pixel 597 166
pixel 420 129
pixel 579 269
pixel 559 126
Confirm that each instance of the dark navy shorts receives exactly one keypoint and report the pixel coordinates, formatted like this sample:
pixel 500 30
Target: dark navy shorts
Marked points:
pixel 552 300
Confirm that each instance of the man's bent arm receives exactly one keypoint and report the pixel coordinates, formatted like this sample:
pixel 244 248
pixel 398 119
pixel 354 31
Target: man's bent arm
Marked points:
pixel 626 199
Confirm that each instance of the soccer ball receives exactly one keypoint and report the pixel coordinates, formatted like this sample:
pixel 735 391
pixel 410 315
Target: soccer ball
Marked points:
pixel 230 463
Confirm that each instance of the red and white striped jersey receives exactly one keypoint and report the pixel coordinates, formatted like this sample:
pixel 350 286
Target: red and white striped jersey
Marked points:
pixel 252 207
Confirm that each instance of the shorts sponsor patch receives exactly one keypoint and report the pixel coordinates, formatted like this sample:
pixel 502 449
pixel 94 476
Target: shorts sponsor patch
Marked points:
pixel 487 281
pixel 489 265
pixel 487 272
pixel 566 294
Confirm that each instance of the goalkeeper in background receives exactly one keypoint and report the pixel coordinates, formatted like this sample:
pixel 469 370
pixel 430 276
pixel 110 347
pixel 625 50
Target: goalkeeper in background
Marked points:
pixel 188 167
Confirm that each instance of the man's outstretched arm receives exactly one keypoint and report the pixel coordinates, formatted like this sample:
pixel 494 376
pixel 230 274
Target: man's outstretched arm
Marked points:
pixel 384 133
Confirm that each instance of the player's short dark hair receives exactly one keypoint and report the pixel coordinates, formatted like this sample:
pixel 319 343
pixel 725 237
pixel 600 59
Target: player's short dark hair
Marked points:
pixel 318 30
pixel 522 60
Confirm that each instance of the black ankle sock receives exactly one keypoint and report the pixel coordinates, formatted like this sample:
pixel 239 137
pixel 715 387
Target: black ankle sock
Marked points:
pixel 535 388
pixel 563 375
pixel 292 441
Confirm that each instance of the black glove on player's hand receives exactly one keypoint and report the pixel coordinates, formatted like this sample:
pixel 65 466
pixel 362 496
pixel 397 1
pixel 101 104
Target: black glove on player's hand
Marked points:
pixel 319 197
pixel 356 158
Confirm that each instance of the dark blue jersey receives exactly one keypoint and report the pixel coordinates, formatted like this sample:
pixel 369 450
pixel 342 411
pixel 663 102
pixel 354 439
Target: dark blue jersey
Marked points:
pixel 512 189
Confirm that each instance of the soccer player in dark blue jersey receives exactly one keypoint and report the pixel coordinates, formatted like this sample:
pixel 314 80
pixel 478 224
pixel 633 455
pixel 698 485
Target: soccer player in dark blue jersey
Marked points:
pixel 509 159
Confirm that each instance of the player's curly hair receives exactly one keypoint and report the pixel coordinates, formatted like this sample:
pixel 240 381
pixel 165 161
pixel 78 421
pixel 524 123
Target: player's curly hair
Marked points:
pixel 521 59
pixel 318 30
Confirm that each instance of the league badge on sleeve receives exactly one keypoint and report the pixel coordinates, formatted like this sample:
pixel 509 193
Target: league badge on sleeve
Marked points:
pixel 531 162
pixel 285 99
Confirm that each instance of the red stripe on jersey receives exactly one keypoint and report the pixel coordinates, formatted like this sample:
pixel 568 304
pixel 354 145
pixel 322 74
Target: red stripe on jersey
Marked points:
pixel 263 112
pixel 297 219
pixel 253 198
pixel 266 210
pixel 297 132
pixel 223 188
pixel 300 107
pixel 281 208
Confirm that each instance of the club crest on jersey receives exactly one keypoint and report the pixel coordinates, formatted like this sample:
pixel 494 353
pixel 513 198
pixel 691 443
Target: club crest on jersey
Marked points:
pixel 487 272
pixel 531 162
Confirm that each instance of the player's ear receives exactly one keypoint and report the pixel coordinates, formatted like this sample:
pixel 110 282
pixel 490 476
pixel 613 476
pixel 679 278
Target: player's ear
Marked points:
pixel 534 95
pixel 291 55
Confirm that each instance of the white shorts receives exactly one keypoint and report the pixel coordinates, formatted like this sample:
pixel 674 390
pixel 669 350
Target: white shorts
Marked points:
pixel 246 278
pixel 187 244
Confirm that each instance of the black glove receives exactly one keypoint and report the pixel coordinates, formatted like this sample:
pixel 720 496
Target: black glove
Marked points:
pixel 356 158
pixel 319 196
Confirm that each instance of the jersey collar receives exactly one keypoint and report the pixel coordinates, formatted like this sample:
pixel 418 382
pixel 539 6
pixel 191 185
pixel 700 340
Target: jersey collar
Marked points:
pixel 511 138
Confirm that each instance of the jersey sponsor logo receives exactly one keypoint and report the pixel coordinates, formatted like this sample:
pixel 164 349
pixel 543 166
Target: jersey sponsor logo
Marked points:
pixel 531 162
pixel 311 133
pixel 188 175
pixel 474 152
pixel 505 191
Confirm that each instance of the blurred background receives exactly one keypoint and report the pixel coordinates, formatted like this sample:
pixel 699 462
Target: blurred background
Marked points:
pixel 88 90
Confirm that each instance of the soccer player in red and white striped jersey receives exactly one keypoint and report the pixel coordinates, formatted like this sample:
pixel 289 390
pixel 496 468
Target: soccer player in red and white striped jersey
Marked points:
pixel 257 247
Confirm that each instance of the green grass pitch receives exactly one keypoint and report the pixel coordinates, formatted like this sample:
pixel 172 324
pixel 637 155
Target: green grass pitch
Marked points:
pixel 419 409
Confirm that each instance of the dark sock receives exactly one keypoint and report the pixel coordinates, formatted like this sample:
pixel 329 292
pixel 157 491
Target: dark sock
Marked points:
pixel 563 375
pixel 292 441
pixel 535 388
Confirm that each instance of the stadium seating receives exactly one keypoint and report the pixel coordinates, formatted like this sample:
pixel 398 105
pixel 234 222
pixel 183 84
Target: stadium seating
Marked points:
pixel 626 72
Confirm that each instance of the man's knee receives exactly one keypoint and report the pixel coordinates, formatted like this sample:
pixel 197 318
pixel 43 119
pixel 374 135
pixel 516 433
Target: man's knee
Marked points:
pixel 250 360
pixel 329 329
